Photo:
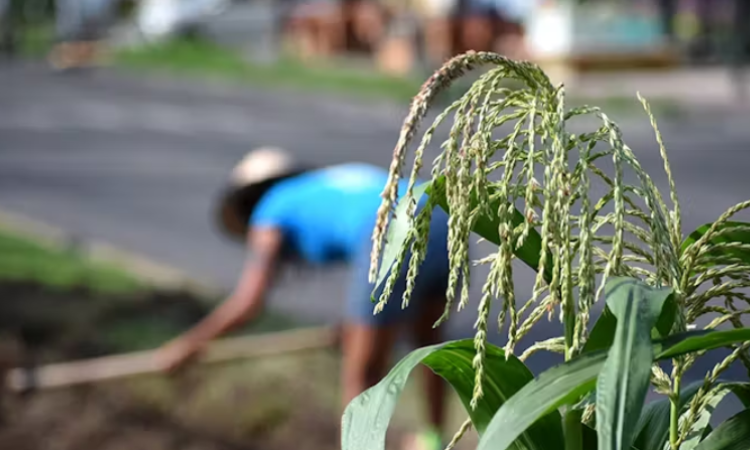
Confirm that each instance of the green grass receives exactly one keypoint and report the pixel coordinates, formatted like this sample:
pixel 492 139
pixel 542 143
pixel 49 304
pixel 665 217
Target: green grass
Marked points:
pixel 200 58
pixel 124 313
pixel 35 41
pixel 22 259
pixel 197 57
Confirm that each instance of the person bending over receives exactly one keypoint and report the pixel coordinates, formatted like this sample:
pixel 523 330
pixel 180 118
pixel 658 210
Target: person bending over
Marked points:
pixel 320 216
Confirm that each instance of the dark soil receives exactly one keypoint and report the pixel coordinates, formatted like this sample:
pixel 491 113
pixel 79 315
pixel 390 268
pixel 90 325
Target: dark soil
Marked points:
pixel 55 324
pixel 272 404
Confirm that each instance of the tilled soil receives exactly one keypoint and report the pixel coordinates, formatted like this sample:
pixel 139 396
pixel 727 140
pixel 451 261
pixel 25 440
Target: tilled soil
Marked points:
pixel 278 403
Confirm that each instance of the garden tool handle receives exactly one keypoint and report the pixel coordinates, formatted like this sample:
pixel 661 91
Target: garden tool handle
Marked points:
pixel 71 373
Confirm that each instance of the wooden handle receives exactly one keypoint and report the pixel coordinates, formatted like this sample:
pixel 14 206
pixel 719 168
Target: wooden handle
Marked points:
pixel 142 363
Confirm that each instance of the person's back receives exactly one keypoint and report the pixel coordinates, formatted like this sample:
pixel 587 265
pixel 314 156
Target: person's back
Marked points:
pixel 325 214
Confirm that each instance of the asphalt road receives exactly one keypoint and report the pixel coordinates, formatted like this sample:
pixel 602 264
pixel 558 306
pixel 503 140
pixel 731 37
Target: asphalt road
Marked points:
pixel 138 163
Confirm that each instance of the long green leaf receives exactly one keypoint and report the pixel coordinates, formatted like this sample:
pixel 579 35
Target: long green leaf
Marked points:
pixel 624 380
pixel 697 430
pixel 366 418
pixel 652 431
pixel 590 439
pixel 693 341
pixel 653 425
pixel 709 429
pixel 734 434
pixel 738 235
pixel 556 387
pixel 567 383
pixel 398 232
pixel 741 391
pixel 454 363
pixel 701 425
pixel 603 333
pixel 487 226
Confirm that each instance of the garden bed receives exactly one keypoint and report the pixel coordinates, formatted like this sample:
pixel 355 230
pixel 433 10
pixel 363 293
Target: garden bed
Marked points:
pixel 61 306
pixel 264 403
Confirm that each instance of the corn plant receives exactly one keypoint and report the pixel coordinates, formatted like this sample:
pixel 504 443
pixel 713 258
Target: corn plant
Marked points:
pixel 512 173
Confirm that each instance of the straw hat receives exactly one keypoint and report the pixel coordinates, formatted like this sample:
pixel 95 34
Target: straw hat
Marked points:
pixel 249 179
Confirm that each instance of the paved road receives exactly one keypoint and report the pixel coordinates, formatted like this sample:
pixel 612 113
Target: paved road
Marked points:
pixel 138 163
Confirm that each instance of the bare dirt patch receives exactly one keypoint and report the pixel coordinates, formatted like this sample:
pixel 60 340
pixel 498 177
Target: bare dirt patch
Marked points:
pixel 283 402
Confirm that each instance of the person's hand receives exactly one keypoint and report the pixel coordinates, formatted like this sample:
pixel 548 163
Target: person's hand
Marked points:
pixel 176 354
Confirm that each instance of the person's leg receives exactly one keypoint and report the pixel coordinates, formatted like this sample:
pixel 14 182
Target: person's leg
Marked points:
pixel 367 338
pixel 366 355
pixel 424 335
pixel 429 301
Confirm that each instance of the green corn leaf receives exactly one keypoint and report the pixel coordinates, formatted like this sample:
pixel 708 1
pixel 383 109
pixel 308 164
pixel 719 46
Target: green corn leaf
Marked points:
pixel 716 395
pixel 734 434
pixel 603 333
pixel 697 430
pixel 522 401
pixel 367 417
pixel 590 440
pixel 567 383
pixel 398 232
pixel 624 380
pixel 738 235
pixel 699 340
pixel 487 226
pixel 556 387
pixel 653 425
pixel 484 226
pixel 652 430
pixel 741 391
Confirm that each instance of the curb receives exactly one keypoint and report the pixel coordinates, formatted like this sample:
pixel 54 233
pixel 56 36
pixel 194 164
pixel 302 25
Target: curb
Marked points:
pixel 153 273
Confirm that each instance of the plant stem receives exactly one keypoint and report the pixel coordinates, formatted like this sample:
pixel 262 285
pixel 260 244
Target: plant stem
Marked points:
pixel 674 413
pixel 569 320
pixel 573 429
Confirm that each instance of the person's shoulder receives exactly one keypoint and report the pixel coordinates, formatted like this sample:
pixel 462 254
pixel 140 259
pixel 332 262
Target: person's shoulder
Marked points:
pixel 278 202
pixel 354 175
pixel 354 166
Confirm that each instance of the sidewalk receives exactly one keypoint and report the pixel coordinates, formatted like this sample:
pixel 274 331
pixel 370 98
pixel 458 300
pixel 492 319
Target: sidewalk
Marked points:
pixel 710 88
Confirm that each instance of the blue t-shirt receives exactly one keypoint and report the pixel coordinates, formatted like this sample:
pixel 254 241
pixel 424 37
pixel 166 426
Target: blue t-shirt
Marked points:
pixel 326 214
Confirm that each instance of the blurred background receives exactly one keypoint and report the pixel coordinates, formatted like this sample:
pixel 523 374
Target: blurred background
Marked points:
pixel 120 120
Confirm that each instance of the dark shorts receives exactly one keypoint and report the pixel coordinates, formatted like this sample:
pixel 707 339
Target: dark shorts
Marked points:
pixel 430 286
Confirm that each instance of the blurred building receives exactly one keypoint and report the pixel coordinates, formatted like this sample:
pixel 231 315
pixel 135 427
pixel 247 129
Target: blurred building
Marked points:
pixel 401 36
pixel 568 35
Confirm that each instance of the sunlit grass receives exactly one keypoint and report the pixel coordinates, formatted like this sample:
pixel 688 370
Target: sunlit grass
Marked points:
pixel 22 259
pixel 201 57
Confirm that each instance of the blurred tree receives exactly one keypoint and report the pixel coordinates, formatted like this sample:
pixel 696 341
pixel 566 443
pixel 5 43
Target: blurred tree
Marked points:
pixel 740 46
pixel 11 23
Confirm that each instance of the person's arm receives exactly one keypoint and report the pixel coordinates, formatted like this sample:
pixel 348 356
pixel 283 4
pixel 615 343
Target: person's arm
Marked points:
pixel 245 302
